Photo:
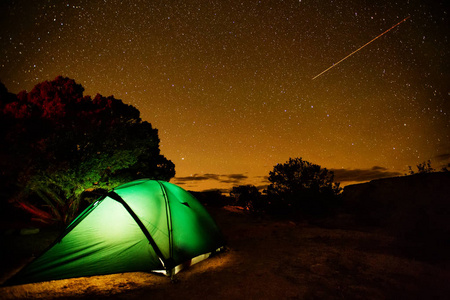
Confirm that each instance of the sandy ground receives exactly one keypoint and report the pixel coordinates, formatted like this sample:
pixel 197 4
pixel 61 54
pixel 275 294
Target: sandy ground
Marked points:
pixel 271 259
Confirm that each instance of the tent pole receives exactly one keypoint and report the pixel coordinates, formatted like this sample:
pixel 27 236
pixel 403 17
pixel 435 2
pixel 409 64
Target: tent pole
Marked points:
pixel 169 220
pixel 113 195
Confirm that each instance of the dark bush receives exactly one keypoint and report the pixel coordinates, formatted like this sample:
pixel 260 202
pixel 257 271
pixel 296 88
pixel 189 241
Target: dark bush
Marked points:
pixel 301 187
pixel 249 198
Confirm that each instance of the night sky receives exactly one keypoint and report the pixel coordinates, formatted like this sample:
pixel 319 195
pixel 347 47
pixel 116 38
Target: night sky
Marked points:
pixel 229 86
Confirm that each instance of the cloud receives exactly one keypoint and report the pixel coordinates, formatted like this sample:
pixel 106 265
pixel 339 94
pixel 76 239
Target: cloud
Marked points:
pixel 378 168
pixel 196 177
pixel 262 187
pixel 264 179
pixel 223 178
pixel 442 157
pixel 221 191
pixel 233 178
pixel 340 175
pixel 376 172
pixel 237 176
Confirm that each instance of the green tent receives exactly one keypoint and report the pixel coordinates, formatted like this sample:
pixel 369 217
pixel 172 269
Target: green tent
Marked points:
pixel 144 225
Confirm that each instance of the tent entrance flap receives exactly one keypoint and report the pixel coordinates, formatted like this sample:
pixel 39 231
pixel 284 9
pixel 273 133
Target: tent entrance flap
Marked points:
pixel 113 195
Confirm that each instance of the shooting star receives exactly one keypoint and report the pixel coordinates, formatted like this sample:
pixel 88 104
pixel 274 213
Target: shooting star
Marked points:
pixel 334 65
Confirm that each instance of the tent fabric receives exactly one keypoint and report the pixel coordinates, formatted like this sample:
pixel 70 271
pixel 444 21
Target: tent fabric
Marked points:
pixel 144 225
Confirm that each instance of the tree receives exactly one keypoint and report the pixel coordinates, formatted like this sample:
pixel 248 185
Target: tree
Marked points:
pixel 301 186
pixel 248 197
pixel 424 167
pixel 60 145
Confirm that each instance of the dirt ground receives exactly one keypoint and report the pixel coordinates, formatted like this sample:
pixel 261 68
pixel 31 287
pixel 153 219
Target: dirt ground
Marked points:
pixel 266 258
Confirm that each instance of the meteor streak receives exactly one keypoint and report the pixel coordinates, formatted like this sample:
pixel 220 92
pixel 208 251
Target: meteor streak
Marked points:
pixel 334 65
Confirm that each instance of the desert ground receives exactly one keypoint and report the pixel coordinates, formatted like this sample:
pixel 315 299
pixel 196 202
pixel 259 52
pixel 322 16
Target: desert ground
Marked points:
pixel 266 258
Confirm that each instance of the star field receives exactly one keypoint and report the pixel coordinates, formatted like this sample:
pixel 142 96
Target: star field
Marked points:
pixel 229 84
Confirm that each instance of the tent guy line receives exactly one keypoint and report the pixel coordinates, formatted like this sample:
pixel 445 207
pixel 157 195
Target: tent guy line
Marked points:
pixel 333 65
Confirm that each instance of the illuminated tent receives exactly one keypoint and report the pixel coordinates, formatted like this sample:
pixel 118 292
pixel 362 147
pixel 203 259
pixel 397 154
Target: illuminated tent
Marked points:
pixel 144 225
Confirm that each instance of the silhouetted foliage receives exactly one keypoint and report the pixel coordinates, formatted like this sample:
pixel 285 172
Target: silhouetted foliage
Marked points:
pixel 249 198
pixel 446 168
pixel 213 198
pixel 57 145
pixel 301 186
pixel 424 167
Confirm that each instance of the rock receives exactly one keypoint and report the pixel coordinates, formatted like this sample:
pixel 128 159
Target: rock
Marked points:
pixel 409 205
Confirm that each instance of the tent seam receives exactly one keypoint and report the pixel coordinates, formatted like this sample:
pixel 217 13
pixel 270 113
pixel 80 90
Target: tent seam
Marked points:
pixel 113 195
pixel 169 224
